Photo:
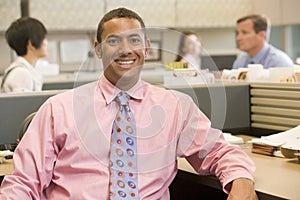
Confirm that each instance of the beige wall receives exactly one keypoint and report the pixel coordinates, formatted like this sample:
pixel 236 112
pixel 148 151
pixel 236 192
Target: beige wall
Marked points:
pixel 218 36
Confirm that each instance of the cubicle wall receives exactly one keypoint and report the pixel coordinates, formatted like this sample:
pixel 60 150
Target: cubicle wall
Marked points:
pixel 227 105
pixel 14 108
pixel 63 85
pixel 275 106
pixel 265 107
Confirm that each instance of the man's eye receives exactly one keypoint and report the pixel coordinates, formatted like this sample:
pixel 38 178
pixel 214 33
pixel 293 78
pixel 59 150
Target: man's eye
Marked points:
pixel 113 41
pixel 135 41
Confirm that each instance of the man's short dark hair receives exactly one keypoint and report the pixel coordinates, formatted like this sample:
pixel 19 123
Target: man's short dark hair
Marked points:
pixel 117 13
pixel 260 23
pixel 23 30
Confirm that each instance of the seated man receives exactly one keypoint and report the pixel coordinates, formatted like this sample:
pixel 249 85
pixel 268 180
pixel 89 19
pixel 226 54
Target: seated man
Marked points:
pixel 252 38
pixel 119 137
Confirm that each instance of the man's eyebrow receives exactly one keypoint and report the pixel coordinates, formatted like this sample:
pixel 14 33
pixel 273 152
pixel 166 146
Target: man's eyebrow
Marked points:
pixel 117 36
pixel 135 35
pixel 113 36
pixel 120 36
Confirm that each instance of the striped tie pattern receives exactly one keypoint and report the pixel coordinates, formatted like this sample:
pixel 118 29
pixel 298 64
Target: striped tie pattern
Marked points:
pixel 123 164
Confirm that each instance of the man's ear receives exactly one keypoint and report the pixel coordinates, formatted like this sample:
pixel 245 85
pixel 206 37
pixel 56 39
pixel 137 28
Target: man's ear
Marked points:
pixel 263 34
pixel 98 49
pixel 147 48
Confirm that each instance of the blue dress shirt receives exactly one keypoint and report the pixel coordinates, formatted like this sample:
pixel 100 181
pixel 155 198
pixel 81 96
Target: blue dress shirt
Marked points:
pixel 268 56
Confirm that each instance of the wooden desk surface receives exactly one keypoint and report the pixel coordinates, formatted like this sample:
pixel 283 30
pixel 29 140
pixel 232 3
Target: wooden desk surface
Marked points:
pixel 279 177
pixel 6 167
pixel 274 176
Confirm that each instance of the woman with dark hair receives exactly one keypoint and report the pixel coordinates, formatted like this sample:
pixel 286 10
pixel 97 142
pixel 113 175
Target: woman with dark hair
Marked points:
pixel 189 49
pixel 27 37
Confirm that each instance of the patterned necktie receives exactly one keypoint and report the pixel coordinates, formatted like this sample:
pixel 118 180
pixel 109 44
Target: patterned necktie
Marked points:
pixel 123 164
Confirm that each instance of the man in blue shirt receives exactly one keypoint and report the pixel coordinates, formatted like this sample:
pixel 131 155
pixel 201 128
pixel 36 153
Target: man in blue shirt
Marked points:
pixel 252 38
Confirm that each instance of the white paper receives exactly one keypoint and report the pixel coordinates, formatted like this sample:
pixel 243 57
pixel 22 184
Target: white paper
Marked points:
pixel 6 153
pixel 288 139
pixel 233 139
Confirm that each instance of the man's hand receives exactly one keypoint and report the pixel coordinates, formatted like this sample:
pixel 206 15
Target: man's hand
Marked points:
pixel 242 189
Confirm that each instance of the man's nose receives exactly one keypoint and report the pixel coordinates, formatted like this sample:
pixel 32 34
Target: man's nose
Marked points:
pixel 238 36
pixel 125 47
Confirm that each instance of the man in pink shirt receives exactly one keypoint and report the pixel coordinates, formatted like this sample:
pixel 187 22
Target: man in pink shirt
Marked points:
pixel 65 151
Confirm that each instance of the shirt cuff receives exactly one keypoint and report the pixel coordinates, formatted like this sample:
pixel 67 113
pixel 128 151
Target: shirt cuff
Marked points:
pixel 226 181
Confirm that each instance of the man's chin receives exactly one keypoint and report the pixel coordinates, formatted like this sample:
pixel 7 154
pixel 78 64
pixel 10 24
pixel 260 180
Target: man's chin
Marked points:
pixel 127 80
pixel 129 74
pixel 242 48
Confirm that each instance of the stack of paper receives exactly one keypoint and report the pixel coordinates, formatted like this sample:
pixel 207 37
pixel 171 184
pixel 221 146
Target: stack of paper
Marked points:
pixel 269 145
pixel 264 149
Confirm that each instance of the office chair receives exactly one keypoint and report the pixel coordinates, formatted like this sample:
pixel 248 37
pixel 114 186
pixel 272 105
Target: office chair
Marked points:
pixel 24 126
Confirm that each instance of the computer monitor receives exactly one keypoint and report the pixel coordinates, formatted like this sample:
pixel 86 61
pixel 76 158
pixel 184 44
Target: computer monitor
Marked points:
pixel 217 62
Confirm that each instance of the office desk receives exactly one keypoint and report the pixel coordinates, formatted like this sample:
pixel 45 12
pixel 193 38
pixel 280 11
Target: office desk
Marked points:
pixel 275 178
pixel 6 167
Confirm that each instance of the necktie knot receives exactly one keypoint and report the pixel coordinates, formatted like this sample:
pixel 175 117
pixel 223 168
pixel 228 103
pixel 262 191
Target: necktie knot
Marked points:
pixel 122 98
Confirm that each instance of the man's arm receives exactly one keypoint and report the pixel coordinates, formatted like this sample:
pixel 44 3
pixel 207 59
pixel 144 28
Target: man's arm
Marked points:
pixel 206 149
pixel 33 160
pixel 242 188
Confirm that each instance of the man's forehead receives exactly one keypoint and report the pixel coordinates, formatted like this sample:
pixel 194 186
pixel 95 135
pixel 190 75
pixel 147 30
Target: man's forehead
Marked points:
pixel 245 25
pixel 122 27
pixel 132 32
pixel 125 34
pixel 247 22
pixel 122 23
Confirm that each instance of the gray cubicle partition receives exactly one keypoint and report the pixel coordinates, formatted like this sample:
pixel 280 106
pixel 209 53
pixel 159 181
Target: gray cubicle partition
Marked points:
pixel 227 106
pixel 63 85
pixel 14 108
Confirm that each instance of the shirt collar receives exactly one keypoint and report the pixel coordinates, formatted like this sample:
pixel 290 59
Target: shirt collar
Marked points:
pixel 260 56
pixel 110 91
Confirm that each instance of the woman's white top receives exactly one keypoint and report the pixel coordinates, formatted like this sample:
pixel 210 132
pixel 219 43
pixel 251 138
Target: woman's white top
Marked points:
pixel 22 77
pixel 193 62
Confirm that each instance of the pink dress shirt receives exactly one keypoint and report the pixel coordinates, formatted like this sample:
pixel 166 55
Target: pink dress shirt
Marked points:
pixel 65 152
